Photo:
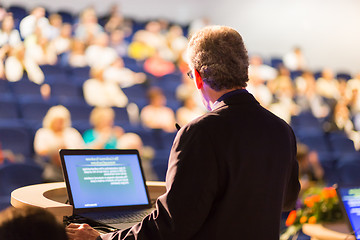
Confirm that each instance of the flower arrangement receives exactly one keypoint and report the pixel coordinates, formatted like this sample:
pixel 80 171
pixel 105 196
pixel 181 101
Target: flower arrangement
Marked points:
pixel 319 205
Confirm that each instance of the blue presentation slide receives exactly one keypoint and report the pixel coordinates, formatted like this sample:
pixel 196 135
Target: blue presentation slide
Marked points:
pixel 351 200
pixel 105 180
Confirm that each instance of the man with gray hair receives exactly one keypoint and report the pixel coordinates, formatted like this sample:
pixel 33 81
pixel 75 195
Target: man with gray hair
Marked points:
pixel 231 171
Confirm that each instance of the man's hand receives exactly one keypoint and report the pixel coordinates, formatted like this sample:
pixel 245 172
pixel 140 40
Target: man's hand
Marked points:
pixel 81 232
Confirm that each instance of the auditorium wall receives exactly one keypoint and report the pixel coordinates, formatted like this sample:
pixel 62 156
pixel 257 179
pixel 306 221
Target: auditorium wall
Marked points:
pixel 327 30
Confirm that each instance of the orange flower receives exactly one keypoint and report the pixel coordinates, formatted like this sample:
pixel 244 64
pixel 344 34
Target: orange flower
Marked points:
pixel 329 192
pixel 291 218
pixel 312 220
pixel 310 201
pixel 303 219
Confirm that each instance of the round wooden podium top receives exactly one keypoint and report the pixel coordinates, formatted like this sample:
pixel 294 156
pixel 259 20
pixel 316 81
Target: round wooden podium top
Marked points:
pixel 334 231
pixel 53 196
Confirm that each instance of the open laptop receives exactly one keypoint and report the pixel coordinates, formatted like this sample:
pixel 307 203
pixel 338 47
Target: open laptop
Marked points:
pixel 349 198
pixel 106 186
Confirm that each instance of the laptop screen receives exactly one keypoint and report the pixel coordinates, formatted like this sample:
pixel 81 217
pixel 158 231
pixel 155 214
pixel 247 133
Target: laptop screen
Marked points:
pixel 104 178
pixel 350 199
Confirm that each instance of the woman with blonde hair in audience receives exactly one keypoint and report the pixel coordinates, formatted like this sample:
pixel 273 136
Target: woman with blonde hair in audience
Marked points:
pixel 55 134
pixel 103 134
pixel 88 28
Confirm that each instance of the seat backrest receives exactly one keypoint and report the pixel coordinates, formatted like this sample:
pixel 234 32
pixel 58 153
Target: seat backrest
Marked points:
pixel 16 175
pixel 17 139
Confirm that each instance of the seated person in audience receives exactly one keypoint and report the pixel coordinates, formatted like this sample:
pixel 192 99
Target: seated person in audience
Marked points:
pixel 340 120
pixel 283 91
pixel 31 223
pixel 133 141
pixel 62 44
pixel 55 134
pixel 118 42
pixel 148 41
pixel 261 92
pixel 310 169
pixel 188 112
pixel 102 93
pixel 39 49
pixel 156 115
pixel 104 134
pixel 9 38
pixel 176 41
pixel 353 91
pixel 77 54
pixel 36 19
pixel 186 89
pixel 18 62
pixel 56 22
pixel 124 77
pixel 115 20
pixel 99 54
pixel 261 71
pixel 307 98
pixel 157 66
pixel 327 86
pixel 295 60
pixel 6 155
pixel 88 27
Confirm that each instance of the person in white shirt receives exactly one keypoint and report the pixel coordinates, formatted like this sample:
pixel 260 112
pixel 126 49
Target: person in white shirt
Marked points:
pixel 327 85
pixel 123 76
pixel 56 134
pixel 188 112
pixel 100 54
pixel 9 36
pixel 261 71
pixel 295 60
pixel 35 20
pixel 101 93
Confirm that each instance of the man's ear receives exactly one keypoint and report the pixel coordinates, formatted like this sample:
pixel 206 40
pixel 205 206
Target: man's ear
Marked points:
pixel 198 80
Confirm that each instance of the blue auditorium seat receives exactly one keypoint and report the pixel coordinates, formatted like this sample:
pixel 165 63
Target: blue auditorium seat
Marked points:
pixel 160 163
pixel 348 169
pixel 16 175
pixel 121 116
pixel 9 109
pixel 33 112
pixel 17 139
pixel 343 75
pixel 67 16
pixel 25 87
pixel 132 64
pixel 275 62
pixel 66 92
pixel 340 144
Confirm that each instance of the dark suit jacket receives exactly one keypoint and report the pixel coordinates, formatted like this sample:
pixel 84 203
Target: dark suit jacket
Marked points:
pixel 231 173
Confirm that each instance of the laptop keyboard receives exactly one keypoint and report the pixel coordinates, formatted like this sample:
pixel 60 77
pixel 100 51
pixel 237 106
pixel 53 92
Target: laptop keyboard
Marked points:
pixel 123 217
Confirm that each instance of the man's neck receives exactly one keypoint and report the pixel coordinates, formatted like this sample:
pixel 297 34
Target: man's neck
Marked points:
pixel 213 96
